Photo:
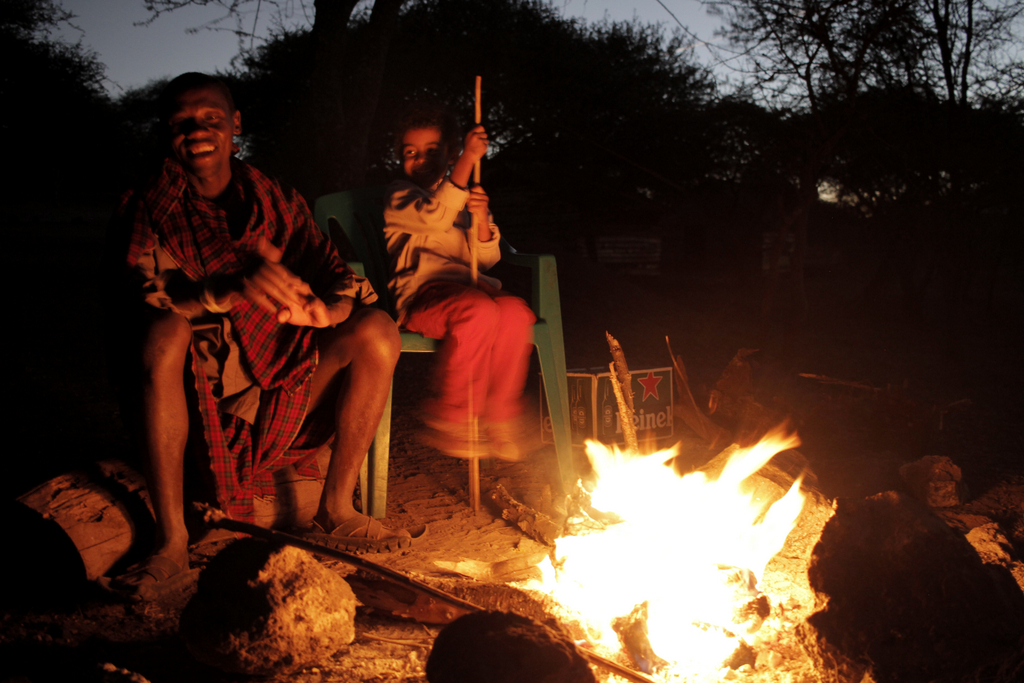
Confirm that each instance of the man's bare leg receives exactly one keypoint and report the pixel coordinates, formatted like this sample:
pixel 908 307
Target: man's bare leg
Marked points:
pixel 165 430
pixel 357 360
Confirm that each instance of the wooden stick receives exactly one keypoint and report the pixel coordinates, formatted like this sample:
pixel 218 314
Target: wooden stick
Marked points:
pixel 625 414
pixel 219 520
pixel 474 472
pixel 474 229
pixel 622 384
pixel 691 414
pixel 621 370
pixel 474 276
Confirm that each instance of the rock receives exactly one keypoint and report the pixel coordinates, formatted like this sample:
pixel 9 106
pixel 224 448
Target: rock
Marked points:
pixel 991 544
pixel 905 598
pixel 995 549
pixel 261 609
pixel 114 674
pixel 497 647
pixel 934 480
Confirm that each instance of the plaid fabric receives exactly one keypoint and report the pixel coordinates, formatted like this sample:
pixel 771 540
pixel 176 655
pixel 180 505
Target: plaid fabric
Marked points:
pixel 280 358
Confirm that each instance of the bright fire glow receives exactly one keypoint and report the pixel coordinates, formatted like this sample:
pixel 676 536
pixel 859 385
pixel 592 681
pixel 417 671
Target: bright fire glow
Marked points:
pixel 681 538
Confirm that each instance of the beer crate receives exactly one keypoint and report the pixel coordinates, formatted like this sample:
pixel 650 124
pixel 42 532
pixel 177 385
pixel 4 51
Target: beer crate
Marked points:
pixel 594 413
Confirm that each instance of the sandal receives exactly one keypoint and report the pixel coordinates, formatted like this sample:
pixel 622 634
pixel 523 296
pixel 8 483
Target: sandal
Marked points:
pixel 364 533
pixel 150 579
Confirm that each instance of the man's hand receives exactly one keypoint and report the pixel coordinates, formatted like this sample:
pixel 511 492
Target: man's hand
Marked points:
pixel 478 206
pixel 272 282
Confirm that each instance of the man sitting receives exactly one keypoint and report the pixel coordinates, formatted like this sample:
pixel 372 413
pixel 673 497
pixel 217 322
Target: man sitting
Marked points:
pixel 285 351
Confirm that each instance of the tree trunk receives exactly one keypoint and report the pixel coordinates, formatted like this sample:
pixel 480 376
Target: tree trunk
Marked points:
pixel 363 96
pixel 333 118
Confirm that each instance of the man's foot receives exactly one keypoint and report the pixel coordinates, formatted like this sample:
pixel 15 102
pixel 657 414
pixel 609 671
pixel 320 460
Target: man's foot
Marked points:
pixel 152 578
pixel 364 533
pixel 453 438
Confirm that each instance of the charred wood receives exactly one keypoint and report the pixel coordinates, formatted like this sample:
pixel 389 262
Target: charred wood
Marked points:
pixel 534 524
pixel 622 385
pixel 633 634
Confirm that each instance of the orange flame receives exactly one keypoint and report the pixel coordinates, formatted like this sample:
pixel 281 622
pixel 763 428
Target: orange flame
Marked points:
pixel 691 546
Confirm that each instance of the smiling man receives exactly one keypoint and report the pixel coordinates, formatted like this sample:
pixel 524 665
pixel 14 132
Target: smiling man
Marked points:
pixel 234 282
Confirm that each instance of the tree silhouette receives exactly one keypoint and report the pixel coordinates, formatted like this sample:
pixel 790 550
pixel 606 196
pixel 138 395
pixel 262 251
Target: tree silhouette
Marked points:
pixel 575 110
pixel 56 121
pixel 336 89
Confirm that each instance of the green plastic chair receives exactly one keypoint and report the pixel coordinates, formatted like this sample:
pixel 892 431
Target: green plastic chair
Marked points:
pixel 360 215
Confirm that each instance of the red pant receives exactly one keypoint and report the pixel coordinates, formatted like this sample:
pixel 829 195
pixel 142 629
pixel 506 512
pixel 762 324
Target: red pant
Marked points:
pixel 487 340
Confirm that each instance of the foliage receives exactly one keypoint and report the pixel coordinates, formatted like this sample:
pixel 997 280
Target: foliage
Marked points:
pixel 613 108
pixel 801 54
pixel 967 52
pixel 566 102
pixel 57 121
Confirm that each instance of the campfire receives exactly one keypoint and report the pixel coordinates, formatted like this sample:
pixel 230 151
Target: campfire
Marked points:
pixel 674 577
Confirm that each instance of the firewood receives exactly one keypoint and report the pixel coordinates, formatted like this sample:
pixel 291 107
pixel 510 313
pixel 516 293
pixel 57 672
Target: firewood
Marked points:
pixel 102 508
pixel 696 420
pixel 534 524
pixel 503 571
pixel 622 385
pixel 632 632
pixel 621 370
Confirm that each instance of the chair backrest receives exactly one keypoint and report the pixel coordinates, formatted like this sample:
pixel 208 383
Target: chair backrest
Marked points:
pixel 360 215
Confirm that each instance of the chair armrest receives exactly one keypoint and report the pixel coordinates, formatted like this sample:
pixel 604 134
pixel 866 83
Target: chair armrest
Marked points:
pixel 546 304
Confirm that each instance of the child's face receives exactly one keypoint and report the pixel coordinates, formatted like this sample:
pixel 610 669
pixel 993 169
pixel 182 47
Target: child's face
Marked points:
pixel 424 156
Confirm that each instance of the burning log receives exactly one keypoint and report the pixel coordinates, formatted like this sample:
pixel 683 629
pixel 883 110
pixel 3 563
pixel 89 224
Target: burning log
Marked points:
pixel 786 573
pixel 534 524
pixel 632 632
pixel 750 606
pixel 622 385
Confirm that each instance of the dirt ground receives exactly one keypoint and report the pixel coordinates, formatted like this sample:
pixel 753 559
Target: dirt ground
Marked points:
pixel 929 398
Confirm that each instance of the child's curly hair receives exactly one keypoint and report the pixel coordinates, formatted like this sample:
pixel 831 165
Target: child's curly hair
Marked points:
pixel 426 114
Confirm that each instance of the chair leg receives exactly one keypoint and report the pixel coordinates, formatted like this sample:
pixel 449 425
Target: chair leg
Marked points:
pixel 373 477
pixel 556 388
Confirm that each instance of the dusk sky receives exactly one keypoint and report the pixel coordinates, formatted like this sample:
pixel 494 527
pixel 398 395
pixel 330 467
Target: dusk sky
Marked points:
pixel 134 55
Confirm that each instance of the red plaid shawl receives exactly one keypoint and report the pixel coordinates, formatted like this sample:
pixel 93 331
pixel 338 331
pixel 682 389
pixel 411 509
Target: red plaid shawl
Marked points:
pixel 280 358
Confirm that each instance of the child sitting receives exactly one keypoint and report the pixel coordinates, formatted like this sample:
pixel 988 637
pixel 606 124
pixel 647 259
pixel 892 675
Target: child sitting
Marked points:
pixel 486 332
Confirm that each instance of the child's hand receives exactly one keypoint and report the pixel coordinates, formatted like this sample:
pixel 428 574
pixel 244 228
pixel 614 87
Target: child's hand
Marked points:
pixel 477 204
pixel 472 151
pixel 475 146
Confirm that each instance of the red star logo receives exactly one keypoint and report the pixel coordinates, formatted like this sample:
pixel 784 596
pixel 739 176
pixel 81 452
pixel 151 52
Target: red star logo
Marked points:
pixel 650 383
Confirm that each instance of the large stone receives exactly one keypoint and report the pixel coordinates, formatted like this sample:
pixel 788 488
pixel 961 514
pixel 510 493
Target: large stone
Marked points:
pixel 994 548
pixel 263 609
pixel 906 598
pixel 934 480
pixel 497 647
